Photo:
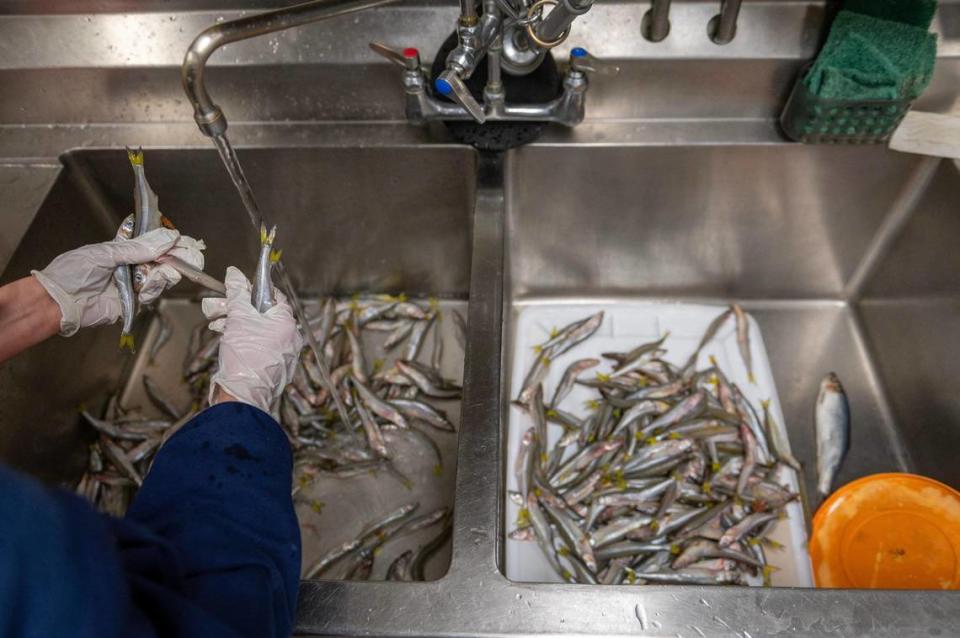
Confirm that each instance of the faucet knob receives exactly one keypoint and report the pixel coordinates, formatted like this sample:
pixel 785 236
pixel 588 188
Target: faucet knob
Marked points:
pixel 581 60
pixel 408 58
pixel 449 84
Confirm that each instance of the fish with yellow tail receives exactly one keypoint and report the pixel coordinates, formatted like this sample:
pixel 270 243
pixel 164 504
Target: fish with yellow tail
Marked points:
pixel 263 296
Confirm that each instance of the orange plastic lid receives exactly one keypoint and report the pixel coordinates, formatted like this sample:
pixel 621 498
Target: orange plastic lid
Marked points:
pixel 888 531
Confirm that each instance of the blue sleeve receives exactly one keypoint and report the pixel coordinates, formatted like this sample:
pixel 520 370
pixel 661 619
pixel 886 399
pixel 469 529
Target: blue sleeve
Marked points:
pixel 60 574
pixel 218 499
pixel 209 547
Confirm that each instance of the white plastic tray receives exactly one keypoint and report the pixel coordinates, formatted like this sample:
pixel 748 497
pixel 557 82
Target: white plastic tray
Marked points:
pixel 625 325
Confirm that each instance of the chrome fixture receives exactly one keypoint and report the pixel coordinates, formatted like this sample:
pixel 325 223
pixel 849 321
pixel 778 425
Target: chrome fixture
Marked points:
pixel 208 115
pixel 656 21
pixel 567 109
pixel 723 26
pixel 514 36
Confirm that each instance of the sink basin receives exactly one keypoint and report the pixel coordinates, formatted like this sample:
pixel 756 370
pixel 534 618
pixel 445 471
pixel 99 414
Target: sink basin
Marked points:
pixel 388 229
pixel 831 249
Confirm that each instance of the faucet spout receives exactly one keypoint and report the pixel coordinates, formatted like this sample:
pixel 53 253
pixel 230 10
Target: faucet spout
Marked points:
pixel 208 115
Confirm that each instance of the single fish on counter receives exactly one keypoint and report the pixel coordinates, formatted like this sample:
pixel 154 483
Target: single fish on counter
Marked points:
pixel 832 424
pixel 667 480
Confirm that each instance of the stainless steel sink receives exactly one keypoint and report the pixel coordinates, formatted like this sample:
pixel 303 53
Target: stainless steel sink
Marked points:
pixel 800 235
pixel 357 193
pixel 842 254
pixel 678 186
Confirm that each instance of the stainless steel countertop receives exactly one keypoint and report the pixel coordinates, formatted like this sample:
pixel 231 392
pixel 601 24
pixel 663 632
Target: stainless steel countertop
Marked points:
pixel 132 58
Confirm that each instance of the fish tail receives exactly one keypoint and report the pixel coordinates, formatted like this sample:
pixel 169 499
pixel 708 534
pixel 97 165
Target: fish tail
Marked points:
pixel 752 379
pixel 126 341
pixel 275 256
pixel 267 238
pixel 135 156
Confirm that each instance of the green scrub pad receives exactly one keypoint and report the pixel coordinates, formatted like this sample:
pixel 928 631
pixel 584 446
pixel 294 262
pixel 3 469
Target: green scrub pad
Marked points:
pixel 861 46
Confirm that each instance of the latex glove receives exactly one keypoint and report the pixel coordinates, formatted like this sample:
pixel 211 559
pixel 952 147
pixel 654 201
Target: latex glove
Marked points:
pixel 258 352
pixel 81 281
pixel 163 276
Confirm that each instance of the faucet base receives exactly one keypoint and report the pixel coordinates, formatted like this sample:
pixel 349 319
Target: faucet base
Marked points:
pixel 541 86
pixel 495 136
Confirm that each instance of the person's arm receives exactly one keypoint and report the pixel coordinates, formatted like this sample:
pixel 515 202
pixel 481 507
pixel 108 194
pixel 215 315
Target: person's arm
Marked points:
pixel 218 493
pixel 76 290
pixel 28 315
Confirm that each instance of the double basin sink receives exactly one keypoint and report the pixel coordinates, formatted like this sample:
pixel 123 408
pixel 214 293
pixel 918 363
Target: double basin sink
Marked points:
pixel 845 256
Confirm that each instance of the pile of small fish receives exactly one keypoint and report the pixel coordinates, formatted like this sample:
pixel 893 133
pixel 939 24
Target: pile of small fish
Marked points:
pixel 361 551
pixel 388 395
pixel 672 478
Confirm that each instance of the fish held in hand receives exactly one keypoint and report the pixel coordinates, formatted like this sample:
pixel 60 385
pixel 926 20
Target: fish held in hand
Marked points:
pixel 262 294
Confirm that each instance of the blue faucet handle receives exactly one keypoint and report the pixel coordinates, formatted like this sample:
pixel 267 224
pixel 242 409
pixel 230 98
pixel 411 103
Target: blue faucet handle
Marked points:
pixel 582 60
pixel 448 83
pixel 442 86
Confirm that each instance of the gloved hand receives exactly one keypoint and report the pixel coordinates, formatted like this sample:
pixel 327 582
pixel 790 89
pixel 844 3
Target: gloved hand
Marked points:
pixel 81 281
pixel 258 352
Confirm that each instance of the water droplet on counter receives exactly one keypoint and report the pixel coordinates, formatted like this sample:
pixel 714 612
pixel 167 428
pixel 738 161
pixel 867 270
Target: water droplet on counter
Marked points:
pixel 641 614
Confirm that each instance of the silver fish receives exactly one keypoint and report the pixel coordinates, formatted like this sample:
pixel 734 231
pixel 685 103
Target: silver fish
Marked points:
pixel 570 375
pixel 743 340
pixel 708 335
pixel 164 332
pixel 832 423
pixel 461 330
pixel 399 569
pixel 378 406
pixel 427 550
pixel 417 336
pixel 624 359
pixel 372 430
pixel 161 402
pixel 781 447
pixel 398 334
pixel 745 526
pixel 428 381
pixel 118 457
pixel 123 279
pixel 262 294
pixel 421 411
pixel 357 361
pixel 703 548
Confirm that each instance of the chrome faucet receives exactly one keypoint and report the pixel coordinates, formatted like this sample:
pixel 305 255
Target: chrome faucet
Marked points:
pixel 514 38
pixel 208 115
pixel 567 109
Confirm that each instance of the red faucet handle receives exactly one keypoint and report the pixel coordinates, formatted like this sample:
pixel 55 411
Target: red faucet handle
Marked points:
pixel 408 58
